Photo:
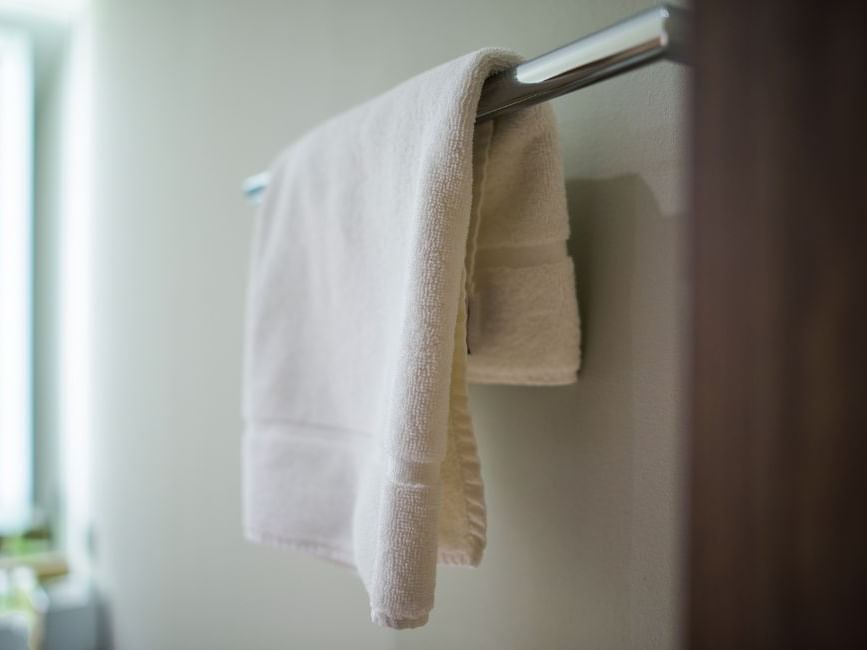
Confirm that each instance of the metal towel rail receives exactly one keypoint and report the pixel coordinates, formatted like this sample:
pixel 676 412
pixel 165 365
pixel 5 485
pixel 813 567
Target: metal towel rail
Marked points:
pixel 649 36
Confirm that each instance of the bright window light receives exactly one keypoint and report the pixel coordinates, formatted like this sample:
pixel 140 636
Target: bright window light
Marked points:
pixel 16 136
pixel 75 297
pixel 50 9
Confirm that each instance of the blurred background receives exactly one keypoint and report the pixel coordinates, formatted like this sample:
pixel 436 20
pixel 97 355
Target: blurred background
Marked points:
pixel 126 129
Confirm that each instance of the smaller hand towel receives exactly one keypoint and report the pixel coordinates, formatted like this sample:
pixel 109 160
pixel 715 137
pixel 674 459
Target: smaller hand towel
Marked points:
pixel 399 252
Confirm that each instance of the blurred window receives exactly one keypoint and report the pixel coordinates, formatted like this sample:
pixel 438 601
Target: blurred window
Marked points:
pixel 16 262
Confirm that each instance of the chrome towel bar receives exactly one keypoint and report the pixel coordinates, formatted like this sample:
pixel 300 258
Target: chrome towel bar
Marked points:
pixel 649 36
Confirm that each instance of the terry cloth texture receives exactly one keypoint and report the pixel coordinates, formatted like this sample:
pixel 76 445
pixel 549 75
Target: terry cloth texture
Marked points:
pixel 400 251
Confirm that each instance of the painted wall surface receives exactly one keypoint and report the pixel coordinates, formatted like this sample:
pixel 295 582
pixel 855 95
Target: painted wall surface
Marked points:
pixel 583 482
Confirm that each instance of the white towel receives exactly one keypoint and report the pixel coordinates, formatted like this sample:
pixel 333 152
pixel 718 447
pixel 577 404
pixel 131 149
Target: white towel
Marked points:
pixel 400 251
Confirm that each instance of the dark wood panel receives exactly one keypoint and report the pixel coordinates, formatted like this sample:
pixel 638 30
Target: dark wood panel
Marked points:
pixel 778 426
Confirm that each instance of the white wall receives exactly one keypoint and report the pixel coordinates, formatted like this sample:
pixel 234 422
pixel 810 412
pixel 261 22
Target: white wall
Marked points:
pixel 582 482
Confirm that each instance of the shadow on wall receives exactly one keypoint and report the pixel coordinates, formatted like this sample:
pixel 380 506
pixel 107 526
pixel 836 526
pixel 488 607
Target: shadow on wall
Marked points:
pixel 580 480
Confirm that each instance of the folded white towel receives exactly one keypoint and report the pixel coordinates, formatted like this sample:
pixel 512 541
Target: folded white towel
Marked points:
pixel 399 251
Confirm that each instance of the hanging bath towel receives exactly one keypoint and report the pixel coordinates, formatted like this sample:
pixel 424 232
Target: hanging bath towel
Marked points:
pixel 400 251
